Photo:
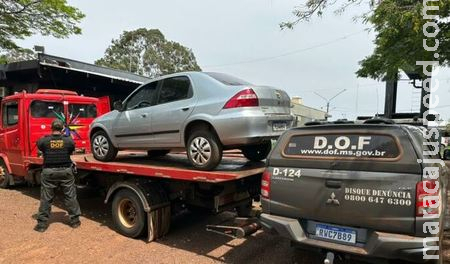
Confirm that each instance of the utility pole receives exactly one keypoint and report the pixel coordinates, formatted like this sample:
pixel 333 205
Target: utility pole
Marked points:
pixel 328 101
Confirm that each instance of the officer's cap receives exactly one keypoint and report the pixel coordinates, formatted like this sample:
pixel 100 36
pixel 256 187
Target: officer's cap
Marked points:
pixel 57 125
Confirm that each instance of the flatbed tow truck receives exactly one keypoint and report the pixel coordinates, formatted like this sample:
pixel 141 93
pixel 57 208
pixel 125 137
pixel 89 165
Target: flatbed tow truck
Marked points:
pixel 143 192
pixel 158 187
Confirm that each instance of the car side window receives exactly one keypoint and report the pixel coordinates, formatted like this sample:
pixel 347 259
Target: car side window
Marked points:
pixel 144 97
pixel 10 114
pixel 174 89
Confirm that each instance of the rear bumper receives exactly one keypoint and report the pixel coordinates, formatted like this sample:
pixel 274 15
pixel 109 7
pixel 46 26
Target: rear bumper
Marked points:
pixel 248 127
pixel 378 244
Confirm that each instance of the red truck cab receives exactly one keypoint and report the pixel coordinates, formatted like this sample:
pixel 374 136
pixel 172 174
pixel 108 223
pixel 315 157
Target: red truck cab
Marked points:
pixel 26 117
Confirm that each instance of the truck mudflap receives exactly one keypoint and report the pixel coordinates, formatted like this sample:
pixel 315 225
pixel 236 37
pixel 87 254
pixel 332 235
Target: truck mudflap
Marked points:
pixel 378 244
pixel 158 221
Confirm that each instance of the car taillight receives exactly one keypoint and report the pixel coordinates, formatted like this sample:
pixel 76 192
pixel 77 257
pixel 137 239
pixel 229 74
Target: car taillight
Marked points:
pixel 244 98
pixel 265 184
pixel 427 198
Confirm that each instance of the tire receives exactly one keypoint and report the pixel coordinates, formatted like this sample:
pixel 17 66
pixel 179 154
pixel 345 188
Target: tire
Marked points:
pixel 257 152
pixel 204 149
pixel 157 153
pixel 5 177
pixel 128 214
pixel 102 148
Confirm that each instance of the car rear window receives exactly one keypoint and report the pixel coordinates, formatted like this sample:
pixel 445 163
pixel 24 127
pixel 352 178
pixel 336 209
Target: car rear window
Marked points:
pixel 83 110
pixel 343 146
pixel 43 109
pixel 227 79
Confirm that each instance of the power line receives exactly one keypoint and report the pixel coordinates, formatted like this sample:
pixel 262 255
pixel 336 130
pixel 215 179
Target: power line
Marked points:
pixel 441 106
pixel 287 53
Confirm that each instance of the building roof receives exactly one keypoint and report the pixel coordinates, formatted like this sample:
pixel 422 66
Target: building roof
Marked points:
pixel 68 65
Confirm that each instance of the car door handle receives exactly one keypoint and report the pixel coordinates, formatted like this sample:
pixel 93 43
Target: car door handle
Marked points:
pixel 144 115
pixel 333 184
pixel 185 109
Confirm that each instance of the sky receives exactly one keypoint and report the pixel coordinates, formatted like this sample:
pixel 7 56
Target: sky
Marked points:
pixel 243 38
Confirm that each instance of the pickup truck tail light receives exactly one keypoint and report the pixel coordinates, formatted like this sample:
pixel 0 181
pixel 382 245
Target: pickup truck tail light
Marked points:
pixel 265 184
pixel 244 98
pixel 427 198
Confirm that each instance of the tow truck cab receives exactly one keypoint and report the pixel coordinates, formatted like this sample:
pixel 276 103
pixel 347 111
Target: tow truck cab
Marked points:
pixel 26 117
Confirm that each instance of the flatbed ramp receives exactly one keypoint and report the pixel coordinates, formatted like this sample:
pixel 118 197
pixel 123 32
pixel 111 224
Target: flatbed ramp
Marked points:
pixel 172 166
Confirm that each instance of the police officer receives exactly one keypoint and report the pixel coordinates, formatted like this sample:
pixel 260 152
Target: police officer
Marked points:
pixel 57 171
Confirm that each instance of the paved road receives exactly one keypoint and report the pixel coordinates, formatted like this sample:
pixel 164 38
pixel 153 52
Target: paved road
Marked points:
pixel 96 242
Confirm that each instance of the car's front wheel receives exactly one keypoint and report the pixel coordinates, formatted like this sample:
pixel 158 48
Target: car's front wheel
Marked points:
pixel 257 152
pixel 102 148
pixel 204 150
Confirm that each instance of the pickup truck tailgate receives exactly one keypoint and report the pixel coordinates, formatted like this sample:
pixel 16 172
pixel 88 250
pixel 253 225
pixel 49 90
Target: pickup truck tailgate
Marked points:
pixel 362 178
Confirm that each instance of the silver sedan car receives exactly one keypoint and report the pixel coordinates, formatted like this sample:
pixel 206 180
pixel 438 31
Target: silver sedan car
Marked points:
pixel 200 112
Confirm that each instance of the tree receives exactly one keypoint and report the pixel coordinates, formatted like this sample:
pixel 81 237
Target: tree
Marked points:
pixel 17 55
pixel 23 18
pixel 147 52
pixel 399 33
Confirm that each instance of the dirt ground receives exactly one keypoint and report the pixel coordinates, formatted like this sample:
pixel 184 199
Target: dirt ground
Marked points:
pixel 96 241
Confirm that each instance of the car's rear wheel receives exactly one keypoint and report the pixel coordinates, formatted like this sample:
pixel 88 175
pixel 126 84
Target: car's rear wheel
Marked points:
pixel 204 150
pixel 157 153
pixel 102 148
pixel 257 152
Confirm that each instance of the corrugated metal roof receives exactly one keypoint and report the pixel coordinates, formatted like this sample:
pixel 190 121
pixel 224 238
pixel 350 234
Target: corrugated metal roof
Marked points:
pixel 71 65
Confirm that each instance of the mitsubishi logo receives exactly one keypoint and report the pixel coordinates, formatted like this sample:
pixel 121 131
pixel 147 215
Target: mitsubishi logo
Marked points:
pixel 333 200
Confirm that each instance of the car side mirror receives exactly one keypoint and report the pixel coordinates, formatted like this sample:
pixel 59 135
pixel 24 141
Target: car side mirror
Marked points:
pixel 446 154
pixel 118 105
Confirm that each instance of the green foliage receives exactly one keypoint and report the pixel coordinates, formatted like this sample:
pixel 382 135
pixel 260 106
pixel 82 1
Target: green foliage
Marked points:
pixel 17 55
pixel 147 52
pixel 399 37
pixel 399 40
pixel 317 7
pixel 23 18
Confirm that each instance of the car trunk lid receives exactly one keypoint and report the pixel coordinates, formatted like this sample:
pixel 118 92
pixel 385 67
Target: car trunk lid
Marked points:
pixel 273 101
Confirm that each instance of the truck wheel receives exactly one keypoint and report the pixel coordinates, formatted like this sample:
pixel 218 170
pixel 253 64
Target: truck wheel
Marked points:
pixel 4 176
pixel 102 148
pixel 128 214
pixel 157 153
pixel 257 152
pixel 204 150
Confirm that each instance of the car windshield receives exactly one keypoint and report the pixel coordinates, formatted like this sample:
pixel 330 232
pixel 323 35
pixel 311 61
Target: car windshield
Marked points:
pixel 227 79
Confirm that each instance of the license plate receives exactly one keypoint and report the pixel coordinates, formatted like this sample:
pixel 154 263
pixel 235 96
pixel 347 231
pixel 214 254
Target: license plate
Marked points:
pixel 336 233
pixel 279 126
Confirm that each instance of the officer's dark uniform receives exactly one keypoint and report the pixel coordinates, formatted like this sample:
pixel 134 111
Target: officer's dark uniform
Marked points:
pixel 57 172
